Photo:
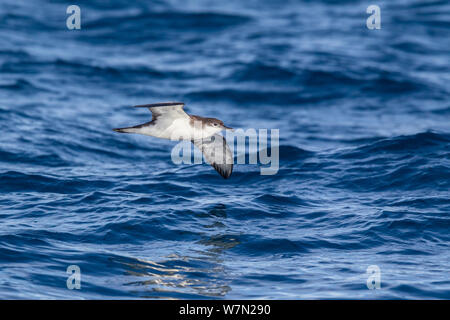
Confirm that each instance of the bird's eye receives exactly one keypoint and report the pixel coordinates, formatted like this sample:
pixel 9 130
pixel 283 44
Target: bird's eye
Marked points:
pixel 215 124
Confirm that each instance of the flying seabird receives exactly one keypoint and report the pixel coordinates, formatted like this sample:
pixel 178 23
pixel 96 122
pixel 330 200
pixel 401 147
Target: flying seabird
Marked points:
pixel 169 121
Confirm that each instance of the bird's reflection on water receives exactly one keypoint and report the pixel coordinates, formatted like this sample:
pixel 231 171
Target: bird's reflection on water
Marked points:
pixel 199 273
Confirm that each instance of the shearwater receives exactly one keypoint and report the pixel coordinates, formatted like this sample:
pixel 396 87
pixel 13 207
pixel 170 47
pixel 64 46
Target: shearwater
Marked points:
pixel 170 121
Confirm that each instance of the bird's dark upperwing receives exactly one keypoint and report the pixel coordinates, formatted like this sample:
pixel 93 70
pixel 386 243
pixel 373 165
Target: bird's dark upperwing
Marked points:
pixel 165 109
pixel 216 153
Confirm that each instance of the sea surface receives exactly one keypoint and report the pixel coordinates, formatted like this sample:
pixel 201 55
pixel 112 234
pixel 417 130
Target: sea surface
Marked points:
pixel 364 175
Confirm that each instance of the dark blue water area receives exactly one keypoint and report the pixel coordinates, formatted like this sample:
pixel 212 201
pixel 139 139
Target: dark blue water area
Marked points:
pixel 364 176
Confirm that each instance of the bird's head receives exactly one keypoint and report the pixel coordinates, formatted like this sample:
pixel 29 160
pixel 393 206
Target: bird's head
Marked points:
pixel 216 125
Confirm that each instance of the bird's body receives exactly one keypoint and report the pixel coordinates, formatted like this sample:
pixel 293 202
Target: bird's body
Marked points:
pixel 169 121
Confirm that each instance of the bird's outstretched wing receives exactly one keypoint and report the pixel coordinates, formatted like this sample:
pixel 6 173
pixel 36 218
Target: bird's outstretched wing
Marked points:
pixel 165 113
pixel 165 109
pixel 216 153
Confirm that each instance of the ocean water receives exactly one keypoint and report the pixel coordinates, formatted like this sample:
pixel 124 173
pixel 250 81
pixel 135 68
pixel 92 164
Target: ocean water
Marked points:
pixel 364 177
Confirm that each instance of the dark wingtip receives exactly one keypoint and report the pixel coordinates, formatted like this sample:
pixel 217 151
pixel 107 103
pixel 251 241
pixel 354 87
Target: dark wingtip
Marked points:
pixel 224 170
pixel 160 104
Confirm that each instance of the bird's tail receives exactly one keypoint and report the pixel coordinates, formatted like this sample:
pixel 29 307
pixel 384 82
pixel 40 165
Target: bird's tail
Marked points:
pixel 134 129
pixel 127 130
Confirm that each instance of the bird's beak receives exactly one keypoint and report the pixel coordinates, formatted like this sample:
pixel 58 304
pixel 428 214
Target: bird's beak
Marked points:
pixel 227 128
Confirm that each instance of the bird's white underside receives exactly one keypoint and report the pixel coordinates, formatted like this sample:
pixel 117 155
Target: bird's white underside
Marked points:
pixel 174 124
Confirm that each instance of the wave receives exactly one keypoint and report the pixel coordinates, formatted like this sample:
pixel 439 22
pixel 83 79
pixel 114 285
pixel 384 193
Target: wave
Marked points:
pixel 401 163
pixel 23 86
pixel 418 143
pixel 21 157
pixel 147 26
pixel 13 181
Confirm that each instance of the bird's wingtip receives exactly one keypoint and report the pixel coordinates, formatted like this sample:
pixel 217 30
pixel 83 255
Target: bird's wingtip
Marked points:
pixel 160 104
pixel 225 170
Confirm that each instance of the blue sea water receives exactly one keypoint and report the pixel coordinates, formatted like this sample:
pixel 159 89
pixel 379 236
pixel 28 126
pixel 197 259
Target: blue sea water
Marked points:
pixel 364 178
